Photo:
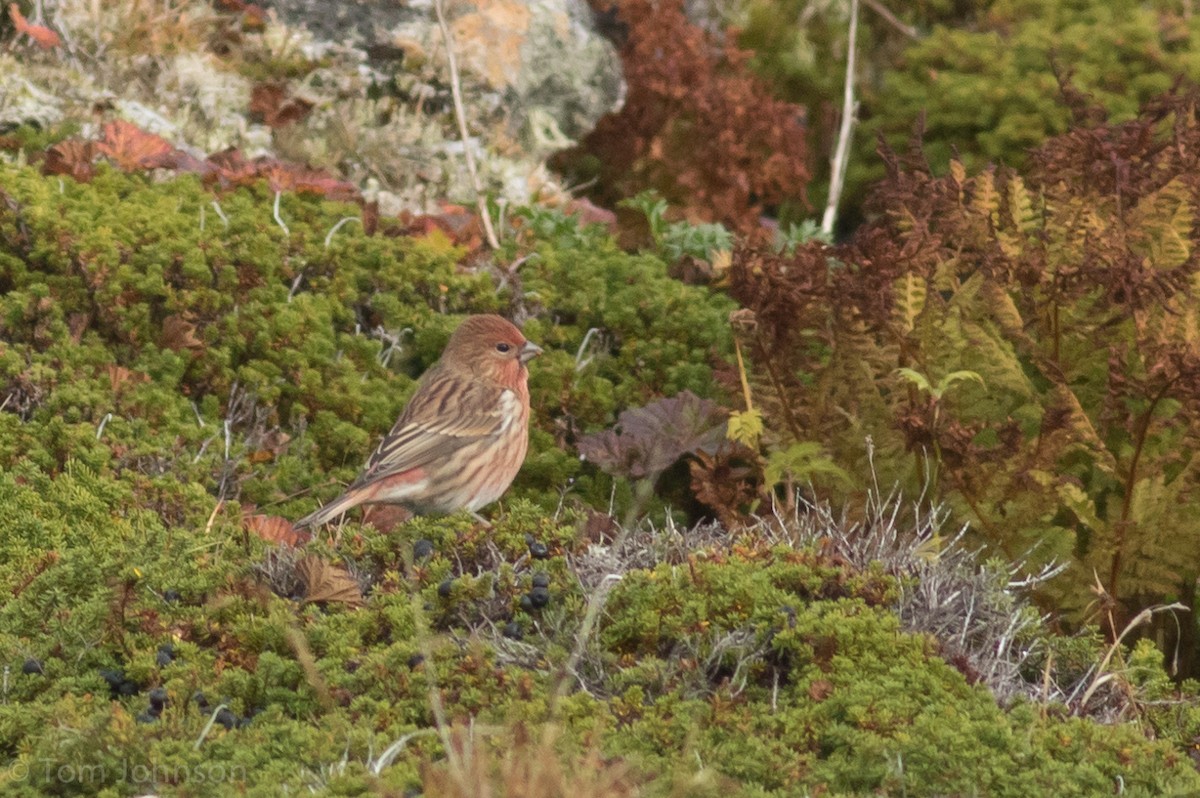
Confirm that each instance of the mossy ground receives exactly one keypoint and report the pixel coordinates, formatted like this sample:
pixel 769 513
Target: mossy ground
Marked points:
pixel 169 357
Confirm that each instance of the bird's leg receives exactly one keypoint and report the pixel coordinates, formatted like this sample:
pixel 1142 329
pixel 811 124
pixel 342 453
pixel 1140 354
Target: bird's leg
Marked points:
pixel 486 523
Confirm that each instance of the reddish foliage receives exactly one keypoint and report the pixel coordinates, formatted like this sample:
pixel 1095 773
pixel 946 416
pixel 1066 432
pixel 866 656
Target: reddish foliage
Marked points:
pixel 275 529
pixel 1075 280
pixel 696 125
pixel 457 223
pixel 132 149
pixel 589 212
pixel 43 36
pixel 179 334
pixel 271 104
pixel 73 158
pixel 232 169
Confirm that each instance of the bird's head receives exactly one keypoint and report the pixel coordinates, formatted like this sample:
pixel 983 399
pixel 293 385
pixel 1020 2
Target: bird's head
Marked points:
pixel 491 347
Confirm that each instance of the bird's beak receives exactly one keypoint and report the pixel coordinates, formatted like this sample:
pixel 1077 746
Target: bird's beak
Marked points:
pixel 529 351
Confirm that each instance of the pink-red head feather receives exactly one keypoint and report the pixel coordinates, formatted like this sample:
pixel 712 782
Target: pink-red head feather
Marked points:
pixel 490 348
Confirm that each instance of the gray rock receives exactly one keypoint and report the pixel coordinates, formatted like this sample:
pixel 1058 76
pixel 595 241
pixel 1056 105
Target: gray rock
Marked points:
pixel 541 63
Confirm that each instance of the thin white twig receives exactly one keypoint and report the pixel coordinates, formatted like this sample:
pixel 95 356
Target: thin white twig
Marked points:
pixel 580 363
pixel 278 220
pixel 461 116
pixel 883 11
pixel 392 751
pixel 338 226
pixel 849 107
pixel 295 286
pixel 208 727
pixel 224 219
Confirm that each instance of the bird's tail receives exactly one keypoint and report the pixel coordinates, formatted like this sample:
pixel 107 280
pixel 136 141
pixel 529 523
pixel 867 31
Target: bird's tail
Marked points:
pixel 337 507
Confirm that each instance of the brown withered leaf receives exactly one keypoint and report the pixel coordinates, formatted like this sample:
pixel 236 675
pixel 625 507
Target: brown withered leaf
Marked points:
pixel 647 440
pixel 132 148
pixel 326 582
pixel 77 324
pixel 73 158
pixel 590 213
pixel 458 223
pixel 119 377
pixel 274 529
pixel 725 483
pixel 230 168
pixel 271 104
pixel 254 17
pixel 820 689
pixel 270 445
pixel 283 176
pixel 600 527
pixel 178 333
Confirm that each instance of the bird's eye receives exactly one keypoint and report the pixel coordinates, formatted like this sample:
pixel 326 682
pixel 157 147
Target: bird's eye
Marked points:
pixel 502 347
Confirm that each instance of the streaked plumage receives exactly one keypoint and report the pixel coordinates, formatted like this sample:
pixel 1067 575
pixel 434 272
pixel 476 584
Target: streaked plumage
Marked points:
pixel 462 438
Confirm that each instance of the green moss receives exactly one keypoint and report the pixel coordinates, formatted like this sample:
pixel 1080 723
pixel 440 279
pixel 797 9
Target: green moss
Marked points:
pixel 161 371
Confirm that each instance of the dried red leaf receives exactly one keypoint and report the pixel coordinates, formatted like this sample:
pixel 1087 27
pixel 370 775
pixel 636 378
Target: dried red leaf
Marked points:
pixel 325 582
pixel 600 527
pixel 270 446
pixel 119 377
pixel 41 35
pixel 132 148
pixel 457 223
pixel 179 333
pixel 820 689
pixel 725 484
pixel 73 158
pixel 274 529
pixel 271 104
pixel 254 17
pixel 229 168
pixel 589 212
pixel 283 176
pixel 77 324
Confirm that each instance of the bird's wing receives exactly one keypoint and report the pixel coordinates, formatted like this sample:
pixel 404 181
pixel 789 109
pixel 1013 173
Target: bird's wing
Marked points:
pixel 446 413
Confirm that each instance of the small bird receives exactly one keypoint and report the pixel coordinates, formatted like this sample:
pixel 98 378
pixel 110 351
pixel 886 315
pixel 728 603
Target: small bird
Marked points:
pixel 463 435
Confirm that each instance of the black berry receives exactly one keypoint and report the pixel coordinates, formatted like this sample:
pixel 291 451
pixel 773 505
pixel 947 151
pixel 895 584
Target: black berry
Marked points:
pixel 539 597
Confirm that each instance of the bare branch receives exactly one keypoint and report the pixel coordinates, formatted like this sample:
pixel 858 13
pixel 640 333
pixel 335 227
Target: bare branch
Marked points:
pixel 883 11
pixel 461 116
pixel 849 107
